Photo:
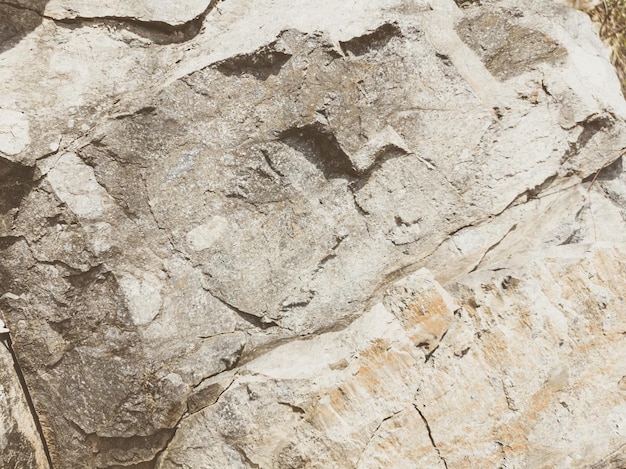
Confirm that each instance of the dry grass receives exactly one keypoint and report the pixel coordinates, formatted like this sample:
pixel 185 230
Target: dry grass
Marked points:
pixel 610 15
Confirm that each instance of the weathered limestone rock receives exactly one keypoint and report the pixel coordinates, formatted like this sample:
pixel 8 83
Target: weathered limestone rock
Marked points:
pixel 391 391
pixel 343 399
pixel 258 234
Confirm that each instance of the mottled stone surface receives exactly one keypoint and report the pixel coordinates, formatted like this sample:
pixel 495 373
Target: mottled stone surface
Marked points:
pixel 258 234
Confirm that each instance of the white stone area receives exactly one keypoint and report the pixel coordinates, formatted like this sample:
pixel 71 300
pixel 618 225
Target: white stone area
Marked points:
pixel 14 132
pixel 74 183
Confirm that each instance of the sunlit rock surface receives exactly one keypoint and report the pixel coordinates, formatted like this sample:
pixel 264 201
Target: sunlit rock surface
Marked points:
pixel 313 234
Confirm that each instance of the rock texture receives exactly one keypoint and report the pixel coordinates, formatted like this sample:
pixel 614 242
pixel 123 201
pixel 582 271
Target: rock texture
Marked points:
pixel 313 234
pixel 21 445
pixel 609 18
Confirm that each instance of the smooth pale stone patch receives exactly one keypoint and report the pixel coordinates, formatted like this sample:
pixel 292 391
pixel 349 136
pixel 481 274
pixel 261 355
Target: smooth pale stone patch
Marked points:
pixel 75 184
pixel 143 296
pixel 100 236
pixel 54 146
pixel 204 236
pixel 14 132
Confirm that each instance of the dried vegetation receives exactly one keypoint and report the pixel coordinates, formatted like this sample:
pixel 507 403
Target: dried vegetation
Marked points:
pixel 610 16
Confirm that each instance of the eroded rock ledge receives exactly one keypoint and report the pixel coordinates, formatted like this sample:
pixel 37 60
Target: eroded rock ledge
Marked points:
pixel 393 239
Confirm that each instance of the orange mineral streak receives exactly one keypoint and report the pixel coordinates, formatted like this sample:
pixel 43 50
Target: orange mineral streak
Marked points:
pixel 427 317
pixel 381 366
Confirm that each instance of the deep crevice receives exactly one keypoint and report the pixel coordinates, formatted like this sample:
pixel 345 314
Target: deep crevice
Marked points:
pixel 377 39
pixel 260 63
pixel 158 454
pixel 607 173
pixel 16 21
pixel 31 405
pixel 591 126
pixel 320 147
pixel 256 321
pixel 158 32
pixel 295 409
pixel 430 436
pixel 16 181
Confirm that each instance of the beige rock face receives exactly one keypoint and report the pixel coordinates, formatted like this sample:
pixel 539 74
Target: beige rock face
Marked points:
pixel 342 399
pixel 368 234
pixel 420 381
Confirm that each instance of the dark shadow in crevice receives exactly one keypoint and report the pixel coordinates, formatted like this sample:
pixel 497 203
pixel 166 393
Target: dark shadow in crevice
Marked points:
pixel 158 32
pixel 16 181
pixel 377 39
pixel 321 148
pixel 17 19
pixel 260 64
pixel 608 173
pixel 612 171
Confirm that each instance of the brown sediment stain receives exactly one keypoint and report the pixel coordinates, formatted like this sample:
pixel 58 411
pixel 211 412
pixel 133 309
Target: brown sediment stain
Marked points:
pixel 594 284
pixel 379 365
pixel 506 48
pixel 426 318
pixel 583 283
pixel 514 434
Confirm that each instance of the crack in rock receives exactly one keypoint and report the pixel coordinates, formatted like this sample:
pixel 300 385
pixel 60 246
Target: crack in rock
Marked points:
pixel 375 432
pixel 429 355
pixel 493 246
pixel 6 341
pixel 205 395
pixel 591 125
pixel 258 322
pixel 430 435
pixel 158 32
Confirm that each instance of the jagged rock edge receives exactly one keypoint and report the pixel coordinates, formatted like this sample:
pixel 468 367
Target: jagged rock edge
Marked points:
pixel 158 32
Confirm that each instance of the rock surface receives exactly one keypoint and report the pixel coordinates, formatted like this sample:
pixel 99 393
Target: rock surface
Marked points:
pixel 256 234
pixel 20 441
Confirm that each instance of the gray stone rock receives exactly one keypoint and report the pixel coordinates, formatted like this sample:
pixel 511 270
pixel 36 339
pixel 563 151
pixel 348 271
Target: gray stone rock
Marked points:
pixel 215 220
